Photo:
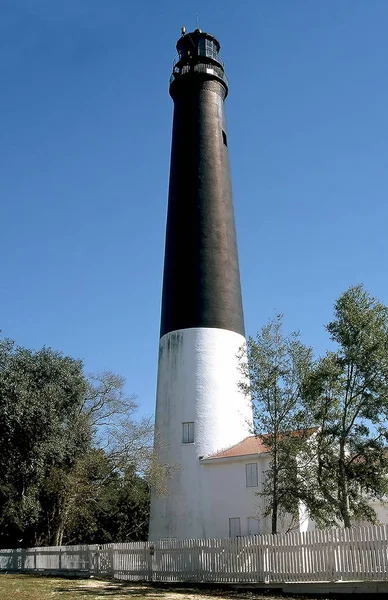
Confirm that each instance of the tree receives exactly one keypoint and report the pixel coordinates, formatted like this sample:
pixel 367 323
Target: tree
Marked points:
pixel 73 455
pixel 273 376
pixel 347 393
pixel 111 415
pixel 84 495
pixel 40 396
pixel 95 503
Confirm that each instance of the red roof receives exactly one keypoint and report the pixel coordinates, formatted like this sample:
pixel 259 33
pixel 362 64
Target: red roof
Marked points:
pixel 254 444
pixel 251 445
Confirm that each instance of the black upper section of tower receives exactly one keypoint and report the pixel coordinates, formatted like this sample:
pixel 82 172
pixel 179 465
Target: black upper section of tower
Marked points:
pixel 198 52
pixel 201 283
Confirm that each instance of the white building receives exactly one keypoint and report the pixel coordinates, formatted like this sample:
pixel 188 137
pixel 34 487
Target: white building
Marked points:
pixel 231 481
pixel 234 478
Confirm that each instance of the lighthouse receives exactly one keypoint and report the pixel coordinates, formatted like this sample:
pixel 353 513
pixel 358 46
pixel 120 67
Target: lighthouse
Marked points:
pixel 200 409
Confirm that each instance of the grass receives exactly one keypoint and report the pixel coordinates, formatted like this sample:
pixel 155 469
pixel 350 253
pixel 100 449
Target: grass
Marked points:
pixel 30 587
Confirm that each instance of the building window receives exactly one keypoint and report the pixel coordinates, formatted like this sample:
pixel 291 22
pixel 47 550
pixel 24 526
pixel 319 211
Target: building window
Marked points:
pixel 253 526
pixel 224 138
pixel 201 47
pixel 188 433
pixel 211 49
pixel 234 527
pixel 251 475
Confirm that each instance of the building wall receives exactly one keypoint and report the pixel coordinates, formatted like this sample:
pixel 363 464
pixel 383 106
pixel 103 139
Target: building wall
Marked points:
pixel 381 509
pixel 198 378
pixel 227 496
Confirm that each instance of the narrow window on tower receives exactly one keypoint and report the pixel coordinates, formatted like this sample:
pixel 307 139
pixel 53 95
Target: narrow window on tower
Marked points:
pixel 188 433
pixel 251 475
pixel 224 138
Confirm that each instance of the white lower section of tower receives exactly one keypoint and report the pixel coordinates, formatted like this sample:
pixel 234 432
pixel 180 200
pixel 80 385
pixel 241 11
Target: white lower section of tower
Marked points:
pixel 198 377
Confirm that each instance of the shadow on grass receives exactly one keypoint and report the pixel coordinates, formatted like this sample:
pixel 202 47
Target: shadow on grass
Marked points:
pixel 126 589
pixel 101 591
pixel 140 591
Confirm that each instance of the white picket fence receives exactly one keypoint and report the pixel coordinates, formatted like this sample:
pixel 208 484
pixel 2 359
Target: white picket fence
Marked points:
pixel 357 554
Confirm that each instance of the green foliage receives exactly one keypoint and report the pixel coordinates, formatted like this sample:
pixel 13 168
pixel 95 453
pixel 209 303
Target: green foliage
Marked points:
pixel 347 393
pixel 96 503
pixel 339 466
pixel 72 455
pixel 277 365
pixel 40 398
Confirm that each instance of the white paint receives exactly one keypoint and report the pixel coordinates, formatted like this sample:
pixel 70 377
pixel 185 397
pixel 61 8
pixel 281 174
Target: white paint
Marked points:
pixel 260 561
pixel 198 382
pixel 381 509
pixel 228 496
pixel 198 378
pixel 253 526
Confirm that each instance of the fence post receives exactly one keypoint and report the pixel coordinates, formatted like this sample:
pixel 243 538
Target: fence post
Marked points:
pixel 151 552
pixel 15 561
pixel 97 556
pixel 87 560
pixel 266 560
pixel 332 553
pixel 90 559
pixel 112 567
pixel 23 559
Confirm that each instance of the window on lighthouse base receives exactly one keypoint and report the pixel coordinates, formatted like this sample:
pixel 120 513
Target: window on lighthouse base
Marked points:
pixel 188 433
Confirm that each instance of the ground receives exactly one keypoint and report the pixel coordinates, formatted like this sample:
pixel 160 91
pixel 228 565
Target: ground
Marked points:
pixel 27 587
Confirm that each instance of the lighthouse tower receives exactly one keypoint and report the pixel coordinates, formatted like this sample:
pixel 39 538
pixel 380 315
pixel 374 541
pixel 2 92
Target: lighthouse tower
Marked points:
pixel 200 409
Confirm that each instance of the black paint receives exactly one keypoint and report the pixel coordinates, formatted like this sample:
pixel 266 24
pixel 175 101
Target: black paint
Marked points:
pixel 201 286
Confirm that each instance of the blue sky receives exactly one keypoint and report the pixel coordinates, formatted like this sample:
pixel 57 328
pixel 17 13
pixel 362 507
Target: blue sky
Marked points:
pixel 85 142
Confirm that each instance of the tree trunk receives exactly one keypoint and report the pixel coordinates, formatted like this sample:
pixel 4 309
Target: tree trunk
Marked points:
pixel 343 487
pixel 58 535
pixel 274 524
pixel 59 530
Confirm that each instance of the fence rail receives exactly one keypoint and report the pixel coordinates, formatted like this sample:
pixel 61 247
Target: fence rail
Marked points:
pixel 357 554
